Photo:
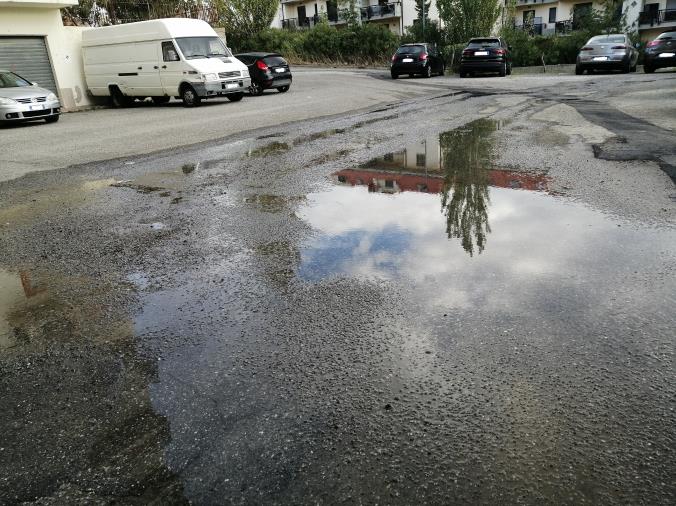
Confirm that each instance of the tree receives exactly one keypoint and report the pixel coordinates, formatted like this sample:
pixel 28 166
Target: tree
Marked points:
pixel 465 19
pixel 244 19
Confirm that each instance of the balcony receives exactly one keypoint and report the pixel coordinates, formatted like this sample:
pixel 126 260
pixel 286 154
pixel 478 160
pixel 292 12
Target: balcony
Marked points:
pixel 376 12
pixel 531 28
pixel 563 27
pixel 657 18
pixel 300 24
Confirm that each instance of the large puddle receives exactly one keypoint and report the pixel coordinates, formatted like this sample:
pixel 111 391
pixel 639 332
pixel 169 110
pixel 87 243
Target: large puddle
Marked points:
pixel 441 214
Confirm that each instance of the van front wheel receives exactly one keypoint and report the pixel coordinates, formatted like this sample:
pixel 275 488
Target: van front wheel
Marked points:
pixel 190 97
pixel 235 97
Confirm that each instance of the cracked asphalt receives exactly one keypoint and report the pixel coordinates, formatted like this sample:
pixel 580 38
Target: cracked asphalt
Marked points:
pixel 460 292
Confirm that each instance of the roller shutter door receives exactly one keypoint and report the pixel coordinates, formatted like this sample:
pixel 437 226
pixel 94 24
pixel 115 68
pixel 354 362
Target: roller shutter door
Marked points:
pixel 27 56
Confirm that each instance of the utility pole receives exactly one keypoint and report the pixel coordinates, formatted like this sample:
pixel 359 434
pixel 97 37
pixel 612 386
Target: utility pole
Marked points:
pixel 423 20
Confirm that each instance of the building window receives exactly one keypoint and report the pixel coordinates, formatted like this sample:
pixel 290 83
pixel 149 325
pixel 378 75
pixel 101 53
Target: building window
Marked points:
pixel 420 159
pixel 389 157
pixel 389 183
pixel 552 14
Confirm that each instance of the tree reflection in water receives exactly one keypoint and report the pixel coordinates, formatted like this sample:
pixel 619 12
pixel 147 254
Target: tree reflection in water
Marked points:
pixel 466 155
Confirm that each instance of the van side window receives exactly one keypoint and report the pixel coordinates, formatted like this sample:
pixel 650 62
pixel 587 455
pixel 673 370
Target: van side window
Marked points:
pixel 169 52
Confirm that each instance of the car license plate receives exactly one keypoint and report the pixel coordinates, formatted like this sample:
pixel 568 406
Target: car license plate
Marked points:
pixel 36 107
pixel 667 55
pixel 280 70
pixel 600 58
pixel 230 86
pixel 480 53
pixel 407 60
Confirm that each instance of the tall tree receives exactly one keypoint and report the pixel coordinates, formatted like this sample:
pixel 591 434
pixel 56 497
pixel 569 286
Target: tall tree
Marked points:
pixel 465 19
pixel 243 19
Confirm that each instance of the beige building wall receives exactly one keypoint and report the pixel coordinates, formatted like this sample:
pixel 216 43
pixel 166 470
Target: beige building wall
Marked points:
pixel 63 46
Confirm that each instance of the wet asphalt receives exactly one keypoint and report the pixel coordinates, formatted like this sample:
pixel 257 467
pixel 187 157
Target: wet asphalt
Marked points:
pixel 462 298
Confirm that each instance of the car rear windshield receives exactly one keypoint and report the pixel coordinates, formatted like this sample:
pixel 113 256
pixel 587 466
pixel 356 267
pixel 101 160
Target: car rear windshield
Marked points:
pixel 274 61
pixel 410 49
pixel 474 43
pixel 601 39
pixel 10 80
pixel 667 35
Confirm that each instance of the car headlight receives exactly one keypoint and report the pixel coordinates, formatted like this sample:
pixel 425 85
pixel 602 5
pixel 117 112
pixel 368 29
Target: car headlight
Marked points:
pixel 210 77
pixel 7 101
pixel 51 97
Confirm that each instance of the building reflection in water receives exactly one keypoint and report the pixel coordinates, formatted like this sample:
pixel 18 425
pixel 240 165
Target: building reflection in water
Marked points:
pixel 458 165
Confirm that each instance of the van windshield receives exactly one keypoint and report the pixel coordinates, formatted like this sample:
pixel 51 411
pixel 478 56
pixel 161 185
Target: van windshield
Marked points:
pixel 202 47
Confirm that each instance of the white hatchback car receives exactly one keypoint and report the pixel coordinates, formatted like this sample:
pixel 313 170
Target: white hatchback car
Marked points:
pixel 21 100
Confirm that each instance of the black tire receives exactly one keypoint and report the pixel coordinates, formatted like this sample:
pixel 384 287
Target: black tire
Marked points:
pixel 463 74
pixel 626 67
pixel 161 100
pixel 190 97
pixel 648 69
pixel 503 70
pixel 118 99
pixel 235 97
pixel 443 70
pixel 428 72
pixel 509 69
pixel 394 75
pixel 52 119
pixel 284 89
pixel 255 90
pixel 578 70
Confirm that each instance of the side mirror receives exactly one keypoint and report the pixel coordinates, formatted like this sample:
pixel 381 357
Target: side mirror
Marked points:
pixel 34 84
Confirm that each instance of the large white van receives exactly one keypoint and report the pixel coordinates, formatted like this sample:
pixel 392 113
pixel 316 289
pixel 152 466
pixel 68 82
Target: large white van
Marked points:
pixel 162 58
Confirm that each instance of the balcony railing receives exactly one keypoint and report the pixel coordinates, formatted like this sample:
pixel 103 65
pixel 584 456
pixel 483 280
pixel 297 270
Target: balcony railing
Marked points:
pixel 300 23
pixel 531 28
pixel 563 27
pixel 656 18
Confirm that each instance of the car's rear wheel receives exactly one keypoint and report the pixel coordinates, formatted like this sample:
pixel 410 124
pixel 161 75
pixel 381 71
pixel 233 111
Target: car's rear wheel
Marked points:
pixel 235 97
pixel 428 71
pixel 256 89
pixel 394 75
pixel 161 100
pixel 463 74
pixel 648 69
pixel 503 70
pixel 626 68
pixel 633 69
pixel 578 70
pixel 190 97
pixel 411 75
pixel 52 119
pixel 509 69
pixel 283 89
pixel 443 70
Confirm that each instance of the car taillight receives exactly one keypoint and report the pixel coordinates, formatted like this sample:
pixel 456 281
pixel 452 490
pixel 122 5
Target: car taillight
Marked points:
pixel 587 48
pixel 423 56
pixel 500 51
pixel 394 57
pixel 653 43
pixel 619 47
pixel 261 65
pixel 467 52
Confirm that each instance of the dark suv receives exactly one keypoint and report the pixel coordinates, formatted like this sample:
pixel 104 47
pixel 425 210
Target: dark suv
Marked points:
pixel 419 58
pixel 660 52
pixel 490 54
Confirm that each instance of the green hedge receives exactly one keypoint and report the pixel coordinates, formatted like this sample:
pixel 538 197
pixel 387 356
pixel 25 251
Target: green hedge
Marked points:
pixel 366 44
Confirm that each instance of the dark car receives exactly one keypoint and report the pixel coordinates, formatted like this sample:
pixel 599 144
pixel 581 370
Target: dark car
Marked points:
pixel 419 58
pixel 607 52
pixel 268 71
pixel 488 54
pixel 660 53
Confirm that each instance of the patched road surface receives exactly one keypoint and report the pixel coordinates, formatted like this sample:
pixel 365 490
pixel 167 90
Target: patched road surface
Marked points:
pixel 462 296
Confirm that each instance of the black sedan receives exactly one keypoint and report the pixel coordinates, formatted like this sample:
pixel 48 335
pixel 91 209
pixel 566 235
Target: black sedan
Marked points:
pixel 420 58
pixel 660 53
pixel 268 71
pixel 490 54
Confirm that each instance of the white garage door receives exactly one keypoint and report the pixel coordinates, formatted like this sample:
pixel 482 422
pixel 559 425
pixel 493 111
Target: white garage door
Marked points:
pixel 27 56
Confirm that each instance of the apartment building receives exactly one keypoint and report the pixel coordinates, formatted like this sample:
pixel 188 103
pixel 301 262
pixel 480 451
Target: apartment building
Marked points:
pixel 396 15
pixel 548 17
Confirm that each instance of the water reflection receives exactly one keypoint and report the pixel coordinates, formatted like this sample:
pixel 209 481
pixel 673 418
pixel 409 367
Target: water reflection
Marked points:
pixel 458 165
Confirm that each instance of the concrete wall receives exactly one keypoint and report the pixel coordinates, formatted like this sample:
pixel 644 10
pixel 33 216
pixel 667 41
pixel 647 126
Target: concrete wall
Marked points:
pixel 63 46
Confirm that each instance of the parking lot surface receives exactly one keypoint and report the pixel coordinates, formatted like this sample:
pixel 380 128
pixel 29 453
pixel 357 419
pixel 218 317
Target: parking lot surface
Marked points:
pixel 444 291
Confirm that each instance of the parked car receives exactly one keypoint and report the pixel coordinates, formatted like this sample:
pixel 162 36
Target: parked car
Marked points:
pixel 161 58
pixel 419 58
pixel 660 53
pixel 267 71
pixel 21 100
pixel 488 54
pixel 607 52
